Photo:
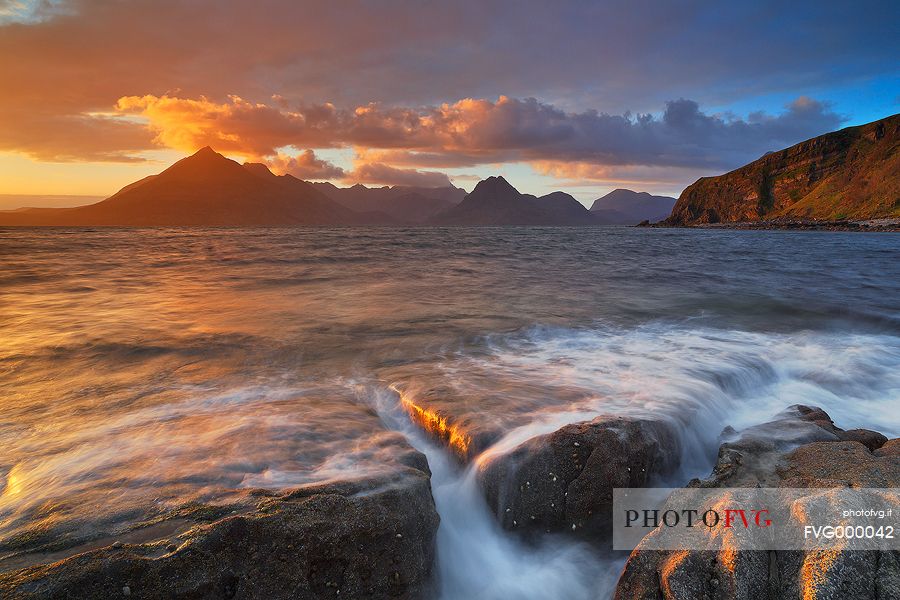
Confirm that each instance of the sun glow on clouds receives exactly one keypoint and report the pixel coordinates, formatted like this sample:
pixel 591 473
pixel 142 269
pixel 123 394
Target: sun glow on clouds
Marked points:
pixel 393 143
pixel 396 145
pixel 187 124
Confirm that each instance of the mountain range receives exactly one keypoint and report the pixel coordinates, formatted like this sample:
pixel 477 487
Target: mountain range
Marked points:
pixel 625 207
pixel 495 202
pixel 402 204
pixel 853 173
pixel 209 190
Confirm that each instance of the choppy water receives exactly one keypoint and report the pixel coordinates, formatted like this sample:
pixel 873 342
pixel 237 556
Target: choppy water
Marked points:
pixel 144 369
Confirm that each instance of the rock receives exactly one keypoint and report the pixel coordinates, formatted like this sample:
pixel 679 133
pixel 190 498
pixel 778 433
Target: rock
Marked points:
pixel 890 448
pixel 800 448
pixel 366 539
pixel 752 458
pixel 839 464
pixel 564 481
pixel 870 439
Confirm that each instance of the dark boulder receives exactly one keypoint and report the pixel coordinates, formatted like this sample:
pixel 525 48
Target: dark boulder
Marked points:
pixel 372 539
pixel 870 439
pixel 564 481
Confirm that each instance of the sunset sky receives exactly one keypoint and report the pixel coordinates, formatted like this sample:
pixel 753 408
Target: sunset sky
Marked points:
pixel 579 96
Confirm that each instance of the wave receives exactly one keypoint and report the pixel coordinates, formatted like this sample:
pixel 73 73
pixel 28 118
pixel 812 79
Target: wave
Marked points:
pixel 700 378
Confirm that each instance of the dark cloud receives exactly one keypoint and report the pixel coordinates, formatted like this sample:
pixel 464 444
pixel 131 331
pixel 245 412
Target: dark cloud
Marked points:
pixel 618 54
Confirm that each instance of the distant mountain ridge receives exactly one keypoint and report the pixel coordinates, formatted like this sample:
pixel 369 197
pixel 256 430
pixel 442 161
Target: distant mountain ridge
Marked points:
pixel 625 207
pixel 404 204
pixel 207 189
pixel 853 173
pixel 494 202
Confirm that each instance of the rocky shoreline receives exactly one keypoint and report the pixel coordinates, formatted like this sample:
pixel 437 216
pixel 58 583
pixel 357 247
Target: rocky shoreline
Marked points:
pixel 868 225
pixel 562 483
pixel 376 538
pixel 364 539
pixel 800 448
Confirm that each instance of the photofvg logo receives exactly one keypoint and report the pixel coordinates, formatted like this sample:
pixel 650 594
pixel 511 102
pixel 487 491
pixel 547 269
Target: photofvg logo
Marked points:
pixel 692 517
pixel 756 518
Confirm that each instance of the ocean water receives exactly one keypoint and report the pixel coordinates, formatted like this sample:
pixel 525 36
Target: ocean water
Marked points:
pixel 145 370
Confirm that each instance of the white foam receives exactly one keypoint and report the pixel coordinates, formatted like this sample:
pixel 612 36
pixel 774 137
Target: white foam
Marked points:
pixel 475 557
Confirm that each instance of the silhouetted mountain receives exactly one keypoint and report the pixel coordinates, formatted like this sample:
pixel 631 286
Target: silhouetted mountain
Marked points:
pixel 205 189
pixel 853 173
pixel 495 202
pixel 404 204
pixel 625 207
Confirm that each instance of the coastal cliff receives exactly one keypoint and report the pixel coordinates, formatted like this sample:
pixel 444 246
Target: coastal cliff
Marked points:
pixel 853 173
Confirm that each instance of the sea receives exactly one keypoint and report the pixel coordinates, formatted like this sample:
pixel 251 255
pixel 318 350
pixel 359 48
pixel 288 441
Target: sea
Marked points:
pixel 145 370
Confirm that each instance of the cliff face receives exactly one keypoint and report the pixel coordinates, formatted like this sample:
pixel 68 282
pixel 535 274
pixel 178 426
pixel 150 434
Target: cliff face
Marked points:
pixel 853 173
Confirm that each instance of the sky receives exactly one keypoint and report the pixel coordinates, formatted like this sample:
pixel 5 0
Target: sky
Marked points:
pixel 574 95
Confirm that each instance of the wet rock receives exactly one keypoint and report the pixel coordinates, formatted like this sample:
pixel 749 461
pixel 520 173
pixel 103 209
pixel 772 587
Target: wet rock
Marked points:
pixel 564 481
pixel 801 447
pixel 651 575
pixel 367 539
pixel 754 455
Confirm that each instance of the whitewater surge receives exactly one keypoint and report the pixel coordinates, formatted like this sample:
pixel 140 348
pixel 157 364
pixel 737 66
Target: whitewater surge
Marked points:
pixel 727 376
pixel 476 558
pixel 701 379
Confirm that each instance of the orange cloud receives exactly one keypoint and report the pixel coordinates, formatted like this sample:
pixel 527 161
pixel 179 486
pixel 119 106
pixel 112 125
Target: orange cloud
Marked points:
pixel 305 166
pixel 50 137
pixel 238 126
